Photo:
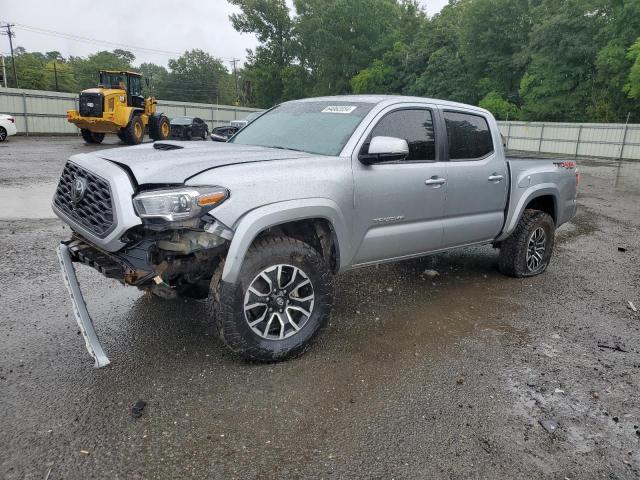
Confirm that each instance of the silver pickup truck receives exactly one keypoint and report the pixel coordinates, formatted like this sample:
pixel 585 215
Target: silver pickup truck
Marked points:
pixel 258 226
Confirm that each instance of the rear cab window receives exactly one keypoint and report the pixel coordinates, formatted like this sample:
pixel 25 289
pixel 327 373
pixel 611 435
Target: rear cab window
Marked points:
pixel 468 136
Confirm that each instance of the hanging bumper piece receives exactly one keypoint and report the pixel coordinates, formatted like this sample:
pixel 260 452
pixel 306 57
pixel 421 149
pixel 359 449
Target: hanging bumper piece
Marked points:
pixel 80 308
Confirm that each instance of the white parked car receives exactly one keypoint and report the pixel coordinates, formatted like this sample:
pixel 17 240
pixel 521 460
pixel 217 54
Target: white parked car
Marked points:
pixel 7 126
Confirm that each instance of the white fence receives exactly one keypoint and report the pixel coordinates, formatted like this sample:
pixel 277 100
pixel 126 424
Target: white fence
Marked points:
pixel 608 140
pixel 39 111
pixel 43 112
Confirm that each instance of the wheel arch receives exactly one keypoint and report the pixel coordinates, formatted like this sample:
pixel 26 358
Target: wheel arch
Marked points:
pixel 294 218
pixel 542 197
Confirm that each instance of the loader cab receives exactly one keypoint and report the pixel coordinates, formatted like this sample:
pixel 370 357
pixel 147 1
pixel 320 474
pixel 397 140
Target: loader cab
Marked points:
pixel 130 82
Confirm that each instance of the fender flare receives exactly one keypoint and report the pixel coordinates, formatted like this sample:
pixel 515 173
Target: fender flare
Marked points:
pixel 134 111
pixel 260 219
pixel 517 210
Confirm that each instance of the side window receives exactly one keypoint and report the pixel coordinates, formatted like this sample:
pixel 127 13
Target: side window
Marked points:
pixel 136 86
pixel 469 136
pixel 415 126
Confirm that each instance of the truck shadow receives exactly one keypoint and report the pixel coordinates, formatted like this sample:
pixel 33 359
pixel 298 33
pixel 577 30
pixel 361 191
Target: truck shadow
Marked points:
pixel 392 309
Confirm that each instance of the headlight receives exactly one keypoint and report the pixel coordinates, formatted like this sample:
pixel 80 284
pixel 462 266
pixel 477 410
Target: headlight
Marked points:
pixel 179 203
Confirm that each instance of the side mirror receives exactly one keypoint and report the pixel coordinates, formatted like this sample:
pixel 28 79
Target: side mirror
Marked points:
pixel 218 138
pixel 385 149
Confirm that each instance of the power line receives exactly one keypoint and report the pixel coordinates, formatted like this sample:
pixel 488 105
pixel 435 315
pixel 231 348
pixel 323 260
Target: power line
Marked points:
pixel 95 41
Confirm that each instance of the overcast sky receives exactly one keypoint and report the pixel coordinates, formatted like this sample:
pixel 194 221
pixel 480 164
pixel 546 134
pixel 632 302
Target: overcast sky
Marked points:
pixel 164 25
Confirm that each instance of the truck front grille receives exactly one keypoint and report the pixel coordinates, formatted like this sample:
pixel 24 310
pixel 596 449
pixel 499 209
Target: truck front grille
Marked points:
pixel 85 198
pixel 91 104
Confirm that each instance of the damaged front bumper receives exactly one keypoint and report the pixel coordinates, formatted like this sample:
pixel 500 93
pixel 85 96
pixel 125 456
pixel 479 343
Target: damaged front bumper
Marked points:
pixel 167 264
pixel 80 308
pixel 132 270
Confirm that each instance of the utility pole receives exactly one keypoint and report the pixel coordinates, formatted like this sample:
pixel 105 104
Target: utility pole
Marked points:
pixel 10 34
pixel 4 72
pixel 55 74
pixel 235 73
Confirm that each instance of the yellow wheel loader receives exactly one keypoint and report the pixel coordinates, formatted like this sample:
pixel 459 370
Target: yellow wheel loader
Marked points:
pixel 118 106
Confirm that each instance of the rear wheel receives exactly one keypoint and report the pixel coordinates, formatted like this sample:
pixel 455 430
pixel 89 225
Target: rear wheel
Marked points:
pixel 528 250
pixel 91 137
pixel 159 127
pixel 3 134
pixel 281 301
pixel 133 133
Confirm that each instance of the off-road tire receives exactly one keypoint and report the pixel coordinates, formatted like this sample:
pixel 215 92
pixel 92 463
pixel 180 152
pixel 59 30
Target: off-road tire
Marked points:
pixel 159 127
pixel 91 137
pixel 120 136
pixel 225 303
pixel 131 134
pixel 512 260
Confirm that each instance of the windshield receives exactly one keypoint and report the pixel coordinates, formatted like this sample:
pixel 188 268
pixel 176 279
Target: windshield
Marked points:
pixel 252 116
pixel 113 80
pixel 314 127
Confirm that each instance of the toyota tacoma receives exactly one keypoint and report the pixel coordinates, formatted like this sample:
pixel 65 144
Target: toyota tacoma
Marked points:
pixel 259 226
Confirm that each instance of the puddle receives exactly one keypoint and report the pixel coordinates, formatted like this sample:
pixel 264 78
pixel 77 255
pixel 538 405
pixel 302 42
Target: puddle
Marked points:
pixel 27 202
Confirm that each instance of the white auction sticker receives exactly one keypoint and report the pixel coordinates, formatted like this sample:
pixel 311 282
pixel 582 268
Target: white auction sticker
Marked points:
pixel 339 109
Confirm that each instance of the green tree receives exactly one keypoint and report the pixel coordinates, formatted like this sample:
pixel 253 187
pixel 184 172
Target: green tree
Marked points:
pixel 493 38
pixel 197 77
pixel 156 75
pixel 86 69
pixel 559 82
pixel 30 68
pixel 501 108
pixel 386 76
pixel 339 38
pixel 267 67
pixel 632 87
pixel 64 73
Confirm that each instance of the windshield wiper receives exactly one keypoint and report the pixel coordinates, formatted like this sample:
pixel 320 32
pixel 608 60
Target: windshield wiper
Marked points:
pixel 286 148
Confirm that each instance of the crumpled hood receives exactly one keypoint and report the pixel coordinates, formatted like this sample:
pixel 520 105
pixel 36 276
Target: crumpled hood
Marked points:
pixel 152 165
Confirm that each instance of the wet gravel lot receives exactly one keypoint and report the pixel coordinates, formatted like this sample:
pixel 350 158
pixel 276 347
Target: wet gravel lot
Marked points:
pixel 417 377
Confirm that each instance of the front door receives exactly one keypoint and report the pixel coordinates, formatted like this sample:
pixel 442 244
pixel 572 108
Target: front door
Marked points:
pixel 477 181
pixel 399 204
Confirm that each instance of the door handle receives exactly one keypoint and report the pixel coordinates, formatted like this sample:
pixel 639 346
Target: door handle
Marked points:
pixel 435 181
pixel 495 178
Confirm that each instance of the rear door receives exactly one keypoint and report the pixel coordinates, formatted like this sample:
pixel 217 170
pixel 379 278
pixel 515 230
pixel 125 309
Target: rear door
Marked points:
pixel 399 204
pixel 477 180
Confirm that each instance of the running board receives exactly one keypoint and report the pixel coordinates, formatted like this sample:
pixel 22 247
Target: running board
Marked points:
pixel 80 308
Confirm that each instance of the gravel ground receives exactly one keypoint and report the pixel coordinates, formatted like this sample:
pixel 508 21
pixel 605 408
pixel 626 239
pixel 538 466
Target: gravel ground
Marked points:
pixel 417 376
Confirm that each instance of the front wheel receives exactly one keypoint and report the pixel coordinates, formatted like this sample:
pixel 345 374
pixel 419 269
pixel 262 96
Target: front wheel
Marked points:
pixel 282 300
pixel 3 134
pixel 133 133
pixel 528 250
pixel 91 137
pixel 159 127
